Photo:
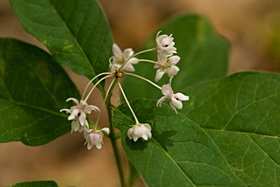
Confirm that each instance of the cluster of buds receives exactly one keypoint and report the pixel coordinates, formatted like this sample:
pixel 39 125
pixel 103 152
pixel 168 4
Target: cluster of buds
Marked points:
pixel 120 64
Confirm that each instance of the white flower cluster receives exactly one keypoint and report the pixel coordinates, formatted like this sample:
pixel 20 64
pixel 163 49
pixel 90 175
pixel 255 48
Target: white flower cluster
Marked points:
pixel 80 123
pixel 121 63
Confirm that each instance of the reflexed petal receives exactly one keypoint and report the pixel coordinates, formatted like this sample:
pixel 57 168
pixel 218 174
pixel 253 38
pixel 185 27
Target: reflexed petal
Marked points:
pixel 182 97
pixel 159 74
pixel 177 103
pixel 144 136
pixel 159 102
pixel 166 90
pixel 167 41
pixel 89 108
pixel 107 130
pixel 65 110
pixel 147 126
pixel 174 60
pixel 172 71
pixel 117 51
pixel 73 99
pixel 89 145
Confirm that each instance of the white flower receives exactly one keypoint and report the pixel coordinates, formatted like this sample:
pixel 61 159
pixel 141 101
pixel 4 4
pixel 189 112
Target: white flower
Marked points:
pixel 168 66
pixel 175 99
pixel 139 131
pixel 95 137
pixel 120 58
pixel 165 45
pixel 78 114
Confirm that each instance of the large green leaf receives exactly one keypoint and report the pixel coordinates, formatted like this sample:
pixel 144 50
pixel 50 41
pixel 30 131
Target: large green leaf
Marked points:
pixel 180 153
pixel 75 32
pixel 204 56
pixel 230 125
pixel 33 87
pixel 241 114
pixel 35 184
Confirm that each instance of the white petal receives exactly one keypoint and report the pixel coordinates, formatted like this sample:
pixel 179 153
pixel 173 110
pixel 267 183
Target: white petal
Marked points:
pixel 73 99
pixel 145 137
pixel 117 51
pixel 89 145
pixel 166 90
pixel 147 126
pixel 98 145
pixel 174 60
pixel 82 118
pixel 129 67
pixel 135 138
pixel 167 41
pixel 89 108
pixel 133 61
pixel 159 74
pixel 73 114
pixel 65 110
pixel 177 103
pixel 75 126
pixel 127 53
pixel 107 130
pixel 129 132
pixel 159 102
pixel 182 97
pixel 172 71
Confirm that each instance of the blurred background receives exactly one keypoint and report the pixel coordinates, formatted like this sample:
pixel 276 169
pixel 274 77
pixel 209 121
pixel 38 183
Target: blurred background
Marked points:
pixel 252 28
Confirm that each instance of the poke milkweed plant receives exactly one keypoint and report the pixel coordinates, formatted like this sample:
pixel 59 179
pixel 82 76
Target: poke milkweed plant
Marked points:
pixel 227 133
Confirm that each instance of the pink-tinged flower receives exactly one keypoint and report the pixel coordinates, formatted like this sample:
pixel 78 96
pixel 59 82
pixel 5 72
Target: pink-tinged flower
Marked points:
pixel 168 66
pixel 139 131
pixel 120 58
pixel 175 99
pixel 165 45
pixel 95 137
pixel 78 114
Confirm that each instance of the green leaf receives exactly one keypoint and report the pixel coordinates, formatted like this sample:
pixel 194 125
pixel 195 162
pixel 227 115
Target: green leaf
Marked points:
pixel 241 114
pixel 204 56
pixel 75 32
pixel 33 88
pixel 180 153
pixel 35 184
pixel 230 125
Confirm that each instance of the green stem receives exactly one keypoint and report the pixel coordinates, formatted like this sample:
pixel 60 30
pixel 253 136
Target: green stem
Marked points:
pixel 112 136
pixel 143 78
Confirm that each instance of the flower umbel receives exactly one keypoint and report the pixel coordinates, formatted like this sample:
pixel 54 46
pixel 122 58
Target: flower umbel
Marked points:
pixel 95 137
pixel 168 66
pixel 78 114
pixel 122 59
pixel 175 99
pixel 139 131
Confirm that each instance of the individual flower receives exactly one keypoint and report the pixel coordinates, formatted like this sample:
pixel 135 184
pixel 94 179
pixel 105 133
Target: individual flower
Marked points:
pixel 78 114
pixel 139 131
pixel 175 99
pixel 120 58
pixel 165 45
pixel 168 66
pixel 95 137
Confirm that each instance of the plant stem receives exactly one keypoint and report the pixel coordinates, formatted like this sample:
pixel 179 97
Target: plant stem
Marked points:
pixel 143 78
pixel 112 135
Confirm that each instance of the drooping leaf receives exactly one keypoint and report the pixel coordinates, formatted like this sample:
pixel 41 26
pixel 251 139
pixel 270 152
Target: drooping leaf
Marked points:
pixel 241 114
pixel 204 56
pixel 35 184
pixel 33 88
pixel 75 32
pixel 180 153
